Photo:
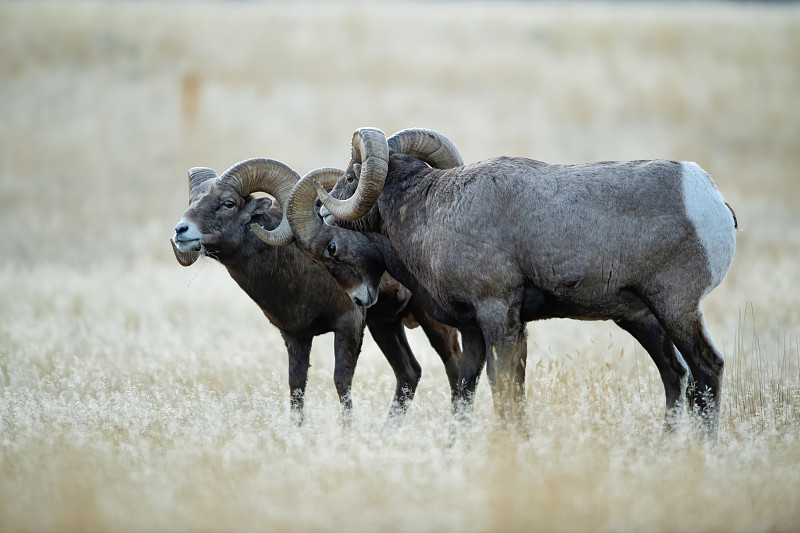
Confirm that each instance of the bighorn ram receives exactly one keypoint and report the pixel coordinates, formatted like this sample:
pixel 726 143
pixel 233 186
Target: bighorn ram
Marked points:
pixel 307 226
pixel 296 294
pixel 509 240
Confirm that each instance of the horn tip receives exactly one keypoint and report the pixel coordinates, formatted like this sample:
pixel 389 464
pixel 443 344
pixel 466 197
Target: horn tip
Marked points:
pixel 281 236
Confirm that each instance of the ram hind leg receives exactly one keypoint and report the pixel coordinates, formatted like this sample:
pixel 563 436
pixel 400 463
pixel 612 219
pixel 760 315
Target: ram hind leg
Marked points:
pixel 299 349
pixel 391 339
pixel 673 370
pixel 686 328
pixel 444 340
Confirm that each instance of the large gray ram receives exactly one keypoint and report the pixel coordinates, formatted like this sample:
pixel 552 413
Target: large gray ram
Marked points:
pixel 296 294
pixel 508 240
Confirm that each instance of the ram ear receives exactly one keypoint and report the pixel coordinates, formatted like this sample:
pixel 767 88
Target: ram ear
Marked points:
pixel 259 206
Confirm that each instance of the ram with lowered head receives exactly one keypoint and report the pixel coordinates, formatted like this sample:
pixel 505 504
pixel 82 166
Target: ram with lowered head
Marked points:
pixel 297 295
pixel 373 253
pixel 508 240
pixel 308 230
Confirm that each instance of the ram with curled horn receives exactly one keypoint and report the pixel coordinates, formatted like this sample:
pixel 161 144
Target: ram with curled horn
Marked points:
pixel 364 255
pixel 509 240
pixel 297 295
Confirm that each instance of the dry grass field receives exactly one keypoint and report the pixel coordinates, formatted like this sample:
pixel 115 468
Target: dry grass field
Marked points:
pixel 136 395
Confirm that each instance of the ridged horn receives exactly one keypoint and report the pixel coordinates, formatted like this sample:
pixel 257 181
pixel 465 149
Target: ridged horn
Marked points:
pixel 198 175
pixel 271 177
pixel 303 219
pixel 185 258
pixel 426 145
pixel 372 151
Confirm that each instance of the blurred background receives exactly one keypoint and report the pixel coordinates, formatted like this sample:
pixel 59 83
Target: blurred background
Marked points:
pixel 105 105
pixel 136 394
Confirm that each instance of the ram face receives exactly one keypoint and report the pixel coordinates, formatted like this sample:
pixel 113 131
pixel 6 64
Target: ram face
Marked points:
pixel 221 209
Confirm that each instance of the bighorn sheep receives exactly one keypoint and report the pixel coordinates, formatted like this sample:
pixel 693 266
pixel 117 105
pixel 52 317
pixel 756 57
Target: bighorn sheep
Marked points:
pixel 509 240
pixel 296 294
pixel 307 226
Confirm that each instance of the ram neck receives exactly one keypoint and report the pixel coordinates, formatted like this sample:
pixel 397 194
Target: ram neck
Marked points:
pixel 399 270
pixel 404 230
pixel 256 269
pixel 279 280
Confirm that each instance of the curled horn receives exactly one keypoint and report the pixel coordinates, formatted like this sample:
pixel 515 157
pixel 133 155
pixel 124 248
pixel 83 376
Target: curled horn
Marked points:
pixel 302 216
pixel 271 177
pixel 198 175
pixel 372 151
pixel 426 145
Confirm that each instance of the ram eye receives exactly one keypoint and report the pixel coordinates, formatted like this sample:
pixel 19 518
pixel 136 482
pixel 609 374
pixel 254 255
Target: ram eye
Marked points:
pixel 349 179
pixel 332 249
pixel 229 204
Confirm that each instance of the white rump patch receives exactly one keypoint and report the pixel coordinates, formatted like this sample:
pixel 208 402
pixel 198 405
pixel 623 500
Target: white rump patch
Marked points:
pixel 712 220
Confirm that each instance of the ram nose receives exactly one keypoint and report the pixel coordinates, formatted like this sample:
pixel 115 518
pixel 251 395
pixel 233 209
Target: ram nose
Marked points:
pixel 187 236
pixel 364 296
pixel 326 216
pixel 181 228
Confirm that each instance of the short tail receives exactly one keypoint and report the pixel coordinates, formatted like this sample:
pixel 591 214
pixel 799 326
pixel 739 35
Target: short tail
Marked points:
pixel 735 222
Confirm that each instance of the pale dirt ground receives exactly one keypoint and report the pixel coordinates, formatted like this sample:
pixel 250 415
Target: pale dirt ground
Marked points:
pixel 138 395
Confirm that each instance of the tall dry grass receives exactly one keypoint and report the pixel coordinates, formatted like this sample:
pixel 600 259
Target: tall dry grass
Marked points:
pixel 137 395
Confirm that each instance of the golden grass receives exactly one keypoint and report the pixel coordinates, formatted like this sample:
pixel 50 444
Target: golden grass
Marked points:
pixel 137 395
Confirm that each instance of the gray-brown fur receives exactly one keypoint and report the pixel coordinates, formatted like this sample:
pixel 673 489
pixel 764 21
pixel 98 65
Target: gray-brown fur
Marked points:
pixel 508 240
pixel 301 299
